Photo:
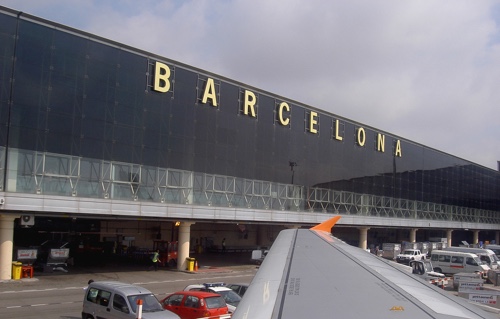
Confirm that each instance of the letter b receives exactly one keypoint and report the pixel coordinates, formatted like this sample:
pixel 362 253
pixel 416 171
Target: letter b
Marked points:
pixel 162 77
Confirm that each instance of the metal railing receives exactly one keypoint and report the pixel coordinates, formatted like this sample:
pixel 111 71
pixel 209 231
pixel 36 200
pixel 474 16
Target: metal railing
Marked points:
pixel 64 175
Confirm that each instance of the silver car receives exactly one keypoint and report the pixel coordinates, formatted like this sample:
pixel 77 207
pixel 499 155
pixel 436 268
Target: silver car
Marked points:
pixel 118 300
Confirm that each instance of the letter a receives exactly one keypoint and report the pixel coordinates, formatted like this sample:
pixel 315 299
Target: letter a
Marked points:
pixel 210 92
pixel 397 151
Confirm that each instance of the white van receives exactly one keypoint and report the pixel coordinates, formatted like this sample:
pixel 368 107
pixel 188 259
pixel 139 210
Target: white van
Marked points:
pixel 117 300
pixel 453 262
pixel 494 248
pixel 486 255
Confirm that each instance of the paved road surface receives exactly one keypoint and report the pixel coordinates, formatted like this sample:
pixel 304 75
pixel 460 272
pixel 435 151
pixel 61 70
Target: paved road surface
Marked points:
pixel 59 295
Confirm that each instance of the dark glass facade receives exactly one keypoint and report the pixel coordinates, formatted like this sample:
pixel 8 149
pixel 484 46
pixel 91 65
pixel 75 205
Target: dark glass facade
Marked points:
pixel 68 92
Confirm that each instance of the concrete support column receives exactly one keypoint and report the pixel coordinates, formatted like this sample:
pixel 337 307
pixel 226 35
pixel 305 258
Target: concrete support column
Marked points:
pixel 6 245
pixel 413 235
pixel 497 237
pixel 183 252
pixel 448 236
pixel 363 237
pixel 475 237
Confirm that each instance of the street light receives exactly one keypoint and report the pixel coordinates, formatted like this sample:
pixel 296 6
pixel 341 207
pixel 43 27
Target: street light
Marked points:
pixel 292 165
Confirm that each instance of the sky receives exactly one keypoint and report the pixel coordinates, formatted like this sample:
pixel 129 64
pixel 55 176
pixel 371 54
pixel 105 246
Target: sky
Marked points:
pixel 424 70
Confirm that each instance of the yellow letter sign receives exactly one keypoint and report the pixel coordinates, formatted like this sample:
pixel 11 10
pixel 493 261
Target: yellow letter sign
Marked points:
pixel 283 121
pixel 397 151
pixel 380 142
pixel 250 101
pixel 313 122
pixel 210 92
pixel 162 77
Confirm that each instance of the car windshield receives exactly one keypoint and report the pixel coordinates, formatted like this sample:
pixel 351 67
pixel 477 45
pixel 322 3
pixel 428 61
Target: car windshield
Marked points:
pixel 230 297
pixel 478 261
pixel 149 303
pixel 407 252
pixel 215 302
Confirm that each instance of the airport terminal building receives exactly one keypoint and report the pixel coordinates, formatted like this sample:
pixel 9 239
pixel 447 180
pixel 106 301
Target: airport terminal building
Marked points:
pixel 149 148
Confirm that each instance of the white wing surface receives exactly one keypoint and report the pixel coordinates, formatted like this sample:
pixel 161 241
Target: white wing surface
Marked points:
pixel 310 274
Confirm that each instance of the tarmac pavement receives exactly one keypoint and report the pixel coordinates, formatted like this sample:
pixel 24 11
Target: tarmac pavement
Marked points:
pixel 209 263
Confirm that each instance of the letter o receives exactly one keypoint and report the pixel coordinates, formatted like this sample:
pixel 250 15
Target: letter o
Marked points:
pixel 361 138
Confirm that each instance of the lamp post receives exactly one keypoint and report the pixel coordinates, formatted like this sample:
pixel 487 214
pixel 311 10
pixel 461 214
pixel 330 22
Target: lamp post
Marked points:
pixel 292 165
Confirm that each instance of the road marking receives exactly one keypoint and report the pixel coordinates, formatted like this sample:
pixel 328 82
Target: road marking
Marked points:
pixel 39 290
pixel 42 304
pixel 195 278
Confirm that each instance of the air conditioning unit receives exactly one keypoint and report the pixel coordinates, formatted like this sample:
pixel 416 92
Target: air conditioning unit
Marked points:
pixel 27 220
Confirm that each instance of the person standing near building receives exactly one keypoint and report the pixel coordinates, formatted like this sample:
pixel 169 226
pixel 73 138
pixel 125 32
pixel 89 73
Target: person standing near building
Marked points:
pixel 224 245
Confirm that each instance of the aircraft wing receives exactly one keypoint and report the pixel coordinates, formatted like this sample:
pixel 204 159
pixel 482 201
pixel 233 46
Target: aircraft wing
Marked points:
pixel 309 274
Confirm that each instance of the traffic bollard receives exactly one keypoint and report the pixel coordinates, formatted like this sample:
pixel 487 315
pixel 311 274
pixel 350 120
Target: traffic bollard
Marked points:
pixel 139 309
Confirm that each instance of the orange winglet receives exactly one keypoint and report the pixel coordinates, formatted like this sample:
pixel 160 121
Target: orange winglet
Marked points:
pixel 327 224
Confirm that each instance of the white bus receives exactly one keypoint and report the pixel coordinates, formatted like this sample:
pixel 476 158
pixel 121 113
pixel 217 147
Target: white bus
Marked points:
pixel 452 262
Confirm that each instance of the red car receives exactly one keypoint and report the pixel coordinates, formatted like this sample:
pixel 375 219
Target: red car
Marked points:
pixel 196 304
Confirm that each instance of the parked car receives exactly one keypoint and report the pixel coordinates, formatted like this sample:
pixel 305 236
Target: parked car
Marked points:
pixel 232 299
pixel 118 300
pixel 238 288
pixel 196 304
pixel 408 255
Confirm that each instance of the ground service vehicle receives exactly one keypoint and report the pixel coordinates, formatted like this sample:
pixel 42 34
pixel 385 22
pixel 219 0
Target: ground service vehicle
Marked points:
pixel 408 255
pixel 391 250
pixel 494 248
pixel 232 299
pixel 118 300
pixel 424 270
pixel 258 255
pixel 196 304
pixel 168 252
pixel 486 255
pixel 452 262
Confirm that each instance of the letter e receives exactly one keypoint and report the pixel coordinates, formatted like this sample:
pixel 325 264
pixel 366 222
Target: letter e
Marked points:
pixel 312 122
